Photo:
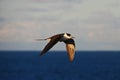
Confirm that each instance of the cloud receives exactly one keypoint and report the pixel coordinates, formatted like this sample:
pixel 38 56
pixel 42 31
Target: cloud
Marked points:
pixel 1 20
pixel 58 0
pixel 16 32
pixel 93 23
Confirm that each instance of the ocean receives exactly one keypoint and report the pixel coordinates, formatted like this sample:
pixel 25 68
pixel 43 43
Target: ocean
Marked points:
pixel 55 65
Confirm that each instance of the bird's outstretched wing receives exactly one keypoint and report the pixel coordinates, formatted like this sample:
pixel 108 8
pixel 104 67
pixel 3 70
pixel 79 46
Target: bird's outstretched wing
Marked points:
pixel 70 46
pixel 52 42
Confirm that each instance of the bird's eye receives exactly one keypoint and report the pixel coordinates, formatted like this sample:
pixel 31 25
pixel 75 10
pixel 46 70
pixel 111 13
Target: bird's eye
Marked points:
pixel 68 34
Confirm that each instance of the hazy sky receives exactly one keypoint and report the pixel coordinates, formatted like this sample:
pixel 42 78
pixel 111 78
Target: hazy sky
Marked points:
pixel 94 23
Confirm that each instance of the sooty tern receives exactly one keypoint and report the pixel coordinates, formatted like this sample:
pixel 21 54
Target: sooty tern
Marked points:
pixel 63 37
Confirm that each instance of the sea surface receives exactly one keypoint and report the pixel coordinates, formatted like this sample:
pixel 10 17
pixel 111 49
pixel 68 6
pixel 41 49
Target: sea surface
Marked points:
pixel 55 65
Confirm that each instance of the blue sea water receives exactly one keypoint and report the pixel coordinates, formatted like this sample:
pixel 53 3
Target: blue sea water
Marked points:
pixel 54 65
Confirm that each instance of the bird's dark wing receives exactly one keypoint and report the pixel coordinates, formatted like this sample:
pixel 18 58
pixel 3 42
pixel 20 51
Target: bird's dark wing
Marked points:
pixel 52 42
pixel 70 46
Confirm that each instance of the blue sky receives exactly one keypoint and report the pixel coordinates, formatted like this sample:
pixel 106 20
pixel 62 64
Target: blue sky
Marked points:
pixel 94 23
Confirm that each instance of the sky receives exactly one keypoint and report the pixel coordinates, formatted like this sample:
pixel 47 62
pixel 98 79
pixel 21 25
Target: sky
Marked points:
pixel 95 24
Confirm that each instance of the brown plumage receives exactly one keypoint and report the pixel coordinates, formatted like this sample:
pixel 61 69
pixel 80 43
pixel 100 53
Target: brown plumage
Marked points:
pixel 52 42
pixel 64 37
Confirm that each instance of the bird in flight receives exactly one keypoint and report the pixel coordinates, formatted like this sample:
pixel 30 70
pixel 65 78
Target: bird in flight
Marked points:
pixel 63 37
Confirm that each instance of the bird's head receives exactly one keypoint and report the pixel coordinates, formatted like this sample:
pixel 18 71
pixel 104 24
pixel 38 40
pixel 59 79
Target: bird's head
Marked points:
pixel 68 36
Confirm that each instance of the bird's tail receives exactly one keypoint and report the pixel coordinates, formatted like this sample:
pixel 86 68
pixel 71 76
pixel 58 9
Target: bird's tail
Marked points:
pixel 42 39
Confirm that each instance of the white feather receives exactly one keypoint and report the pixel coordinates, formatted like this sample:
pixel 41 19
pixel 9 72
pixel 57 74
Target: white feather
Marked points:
pixel 66 36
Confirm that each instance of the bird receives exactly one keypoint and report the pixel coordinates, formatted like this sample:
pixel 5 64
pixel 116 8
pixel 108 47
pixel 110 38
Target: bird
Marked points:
pixel 63 37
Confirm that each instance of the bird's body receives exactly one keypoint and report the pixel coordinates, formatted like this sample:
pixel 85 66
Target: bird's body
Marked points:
pixel 63 37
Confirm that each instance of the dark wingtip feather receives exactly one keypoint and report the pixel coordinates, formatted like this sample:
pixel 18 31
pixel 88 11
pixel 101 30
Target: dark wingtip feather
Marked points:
pixel 41 53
